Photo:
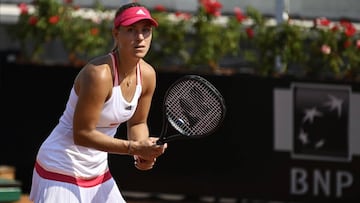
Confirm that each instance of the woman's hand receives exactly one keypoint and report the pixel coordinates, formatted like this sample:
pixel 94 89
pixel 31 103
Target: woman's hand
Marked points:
pixel 146 149
pixel 145 152
pixel 143 164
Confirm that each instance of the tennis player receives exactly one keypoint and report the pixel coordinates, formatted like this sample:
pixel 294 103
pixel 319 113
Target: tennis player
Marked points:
pixel 72 163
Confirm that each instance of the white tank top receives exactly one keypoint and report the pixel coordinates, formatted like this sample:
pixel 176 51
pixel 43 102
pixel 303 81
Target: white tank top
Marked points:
pixel 59 154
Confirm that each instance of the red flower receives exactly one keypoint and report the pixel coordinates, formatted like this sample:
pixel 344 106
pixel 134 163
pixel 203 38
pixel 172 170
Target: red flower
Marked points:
pixel 68 1
pixel 94 31
pixel 350 31
pixel 212 7
pixel 345 23
pixel 335 28
pixel 33 20
pixel 239 14
pixel 160 8
pixel 347 43
pixel 23 8
pixel 322 21
pixel 54 19
pixel 183 15
pixel 250 32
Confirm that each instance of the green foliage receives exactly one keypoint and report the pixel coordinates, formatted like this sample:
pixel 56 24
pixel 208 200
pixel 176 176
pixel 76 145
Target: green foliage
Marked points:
pixel 169 40
pixel 193 40
pixel 51 21
pixel 328 49
pixel 203 39
pixel 211 41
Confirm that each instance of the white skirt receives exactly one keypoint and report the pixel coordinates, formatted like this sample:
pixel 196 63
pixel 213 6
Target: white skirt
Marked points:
pixel 52 191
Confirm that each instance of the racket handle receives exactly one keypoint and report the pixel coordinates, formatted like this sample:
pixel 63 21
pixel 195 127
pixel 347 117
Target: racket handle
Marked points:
pixel 160 142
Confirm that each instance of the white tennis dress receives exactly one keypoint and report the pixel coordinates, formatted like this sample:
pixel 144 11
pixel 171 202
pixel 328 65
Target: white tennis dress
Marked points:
pixel 69 173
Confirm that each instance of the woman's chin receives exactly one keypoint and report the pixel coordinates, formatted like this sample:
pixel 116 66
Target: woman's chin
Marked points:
pixel 140 55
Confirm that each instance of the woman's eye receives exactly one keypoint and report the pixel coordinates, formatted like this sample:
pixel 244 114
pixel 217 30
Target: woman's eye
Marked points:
pixel 130 30
pixel 146 30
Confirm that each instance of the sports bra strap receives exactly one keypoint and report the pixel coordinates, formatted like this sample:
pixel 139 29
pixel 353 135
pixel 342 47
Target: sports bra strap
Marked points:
pixel 114 65
pixel 115 69
pixel 138 74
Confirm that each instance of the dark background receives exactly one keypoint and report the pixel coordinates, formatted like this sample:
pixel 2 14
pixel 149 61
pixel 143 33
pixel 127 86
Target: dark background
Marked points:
pixel 237 161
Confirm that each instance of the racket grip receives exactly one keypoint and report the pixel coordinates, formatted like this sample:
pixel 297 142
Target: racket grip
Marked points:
pixel 159 142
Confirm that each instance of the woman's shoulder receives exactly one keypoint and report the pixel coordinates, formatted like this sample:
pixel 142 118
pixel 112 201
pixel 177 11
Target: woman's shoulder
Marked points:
pixel 100 60
pixel 147 69
pixel 98 68
pixel 148 75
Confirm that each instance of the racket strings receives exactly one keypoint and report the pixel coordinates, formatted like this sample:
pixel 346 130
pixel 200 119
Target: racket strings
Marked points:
pixel 194 108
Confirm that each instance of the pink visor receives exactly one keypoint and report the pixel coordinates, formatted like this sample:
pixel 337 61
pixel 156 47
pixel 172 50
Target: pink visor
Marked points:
pixel 133 15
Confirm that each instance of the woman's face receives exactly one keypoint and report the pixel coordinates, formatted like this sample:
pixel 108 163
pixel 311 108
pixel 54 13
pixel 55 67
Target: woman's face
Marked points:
pixel 134 40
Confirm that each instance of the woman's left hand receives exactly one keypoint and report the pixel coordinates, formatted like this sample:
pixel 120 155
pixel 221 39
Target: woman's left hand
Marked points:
pixel 144 164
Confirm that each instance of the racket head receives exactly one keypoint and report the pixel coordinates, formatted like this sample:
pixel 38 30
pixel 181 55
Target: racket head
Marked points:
pixel 194 107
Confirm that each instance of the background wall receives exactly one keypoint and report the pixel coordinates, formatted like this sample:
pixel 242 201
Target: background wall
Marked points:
pixel 245 158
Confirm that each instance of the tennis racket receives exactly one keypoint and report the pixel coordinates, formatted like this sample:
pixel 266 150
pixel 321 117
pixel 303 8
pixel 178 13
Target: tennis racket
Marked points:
pixel 193 107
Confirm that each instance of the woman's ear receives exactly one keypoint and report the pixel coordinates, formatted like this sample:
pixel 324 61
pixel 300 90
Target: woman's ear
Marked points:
pixel 115 32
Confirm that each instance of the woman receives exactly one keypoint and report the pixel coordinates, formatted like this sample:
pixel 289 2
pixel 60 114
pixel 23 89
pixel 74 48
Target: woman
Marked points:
pixel 71 164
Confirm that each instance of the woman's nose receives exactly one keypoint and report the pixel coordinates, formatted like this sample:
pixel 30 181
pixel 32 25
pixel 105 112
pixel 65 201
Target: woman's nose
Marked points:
pixel 140 36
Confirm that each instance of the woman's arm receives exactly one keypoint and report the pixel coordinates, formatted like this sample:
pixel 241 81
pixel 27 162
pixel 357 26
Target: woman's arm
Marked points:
pixel 137 127
pixel 93 86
